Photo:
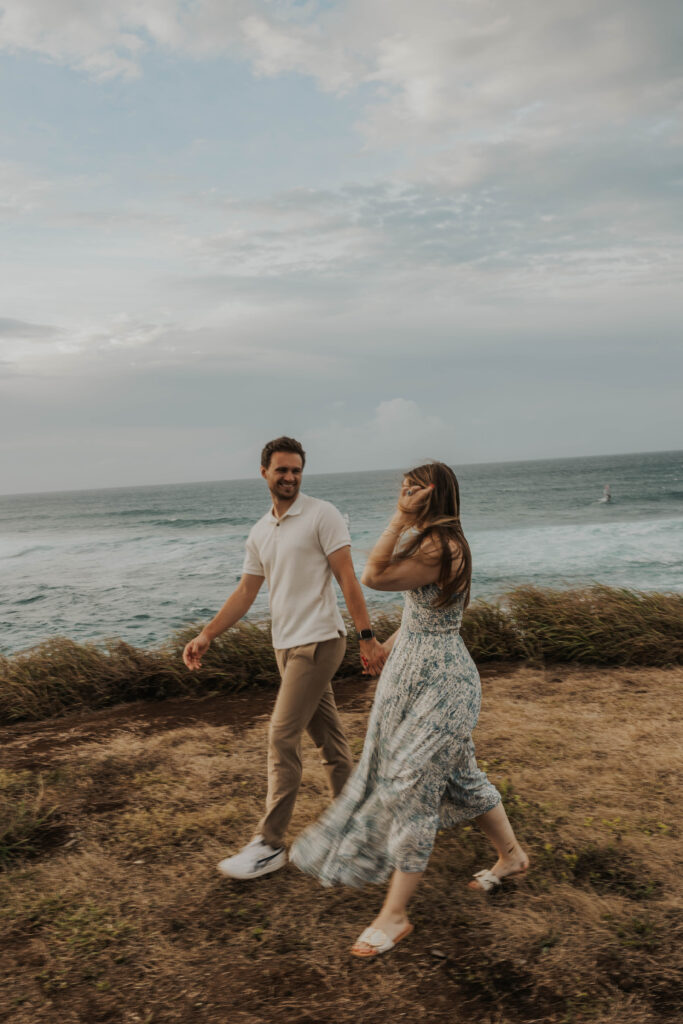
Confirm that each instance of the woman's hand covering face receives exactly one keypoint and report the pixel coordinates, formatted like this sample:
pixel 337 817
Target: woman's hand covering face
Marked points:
pixel 412 499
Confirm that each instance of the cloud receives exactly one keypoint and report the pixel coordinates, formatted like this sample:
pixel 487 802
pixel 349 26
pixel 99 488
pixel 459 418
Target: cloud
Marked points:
pixel 10 328
pixel 310 278
pixel 540 145
pixel 111 40
pixel 91 37
pixel 511 232
pixel 314 49
pixel 42 348
pixel 23 343
pixel 508 226
pixel 397 433
pixel 473 67
pixel 240 345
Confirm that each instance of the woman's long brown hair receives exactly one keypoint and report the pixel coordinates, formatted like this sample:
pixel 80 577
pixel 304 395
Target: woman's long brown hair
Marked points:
pixel 439 520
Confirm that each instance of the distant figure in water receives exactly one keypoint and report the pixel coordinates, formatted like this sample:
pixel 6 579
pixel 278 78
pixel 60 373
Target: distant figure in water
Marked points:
pixel 606 494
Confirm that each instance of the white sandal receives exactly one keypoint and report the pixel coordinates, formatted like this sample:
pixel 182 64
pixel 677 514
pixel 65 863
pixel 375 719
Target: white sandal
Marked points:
pixel 486 881
pixel 378 941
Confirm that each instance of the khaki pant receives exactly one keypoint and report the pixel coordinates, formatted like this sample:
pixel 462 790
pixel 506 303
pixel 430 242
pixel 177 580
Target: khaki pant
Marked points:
pixel 305 701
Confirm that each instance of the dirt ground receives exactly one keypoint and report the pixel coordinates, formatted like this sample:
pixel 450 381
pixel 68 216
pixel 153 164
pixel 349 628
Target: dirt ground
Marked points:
pixel 111 909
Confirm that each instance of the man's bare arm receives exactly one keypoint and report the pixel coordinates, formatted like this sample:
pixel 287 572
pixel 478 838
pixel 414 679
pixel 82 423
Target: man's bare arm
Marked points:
pixel 341 565
pixel 237 605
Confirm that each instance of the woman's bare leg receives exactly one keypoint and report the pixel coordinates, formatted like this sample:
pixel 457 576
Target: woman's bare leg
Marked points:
pixel 496 827
pixel 393 918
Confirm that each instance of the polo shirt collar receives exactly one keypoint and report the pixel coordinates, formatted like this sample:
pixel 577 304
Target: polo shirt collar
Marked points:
pixel 294 510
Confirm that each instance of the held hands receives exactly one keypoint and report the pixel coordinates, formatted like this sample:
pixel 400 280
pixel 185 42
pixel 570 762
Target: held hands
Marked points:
pixel 372 656
pixel 195 650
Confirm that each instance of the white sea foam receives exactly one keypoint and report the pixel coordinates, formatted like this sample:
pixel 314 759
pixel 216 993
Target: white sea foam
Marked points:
pixel 141 562
pixel 645 555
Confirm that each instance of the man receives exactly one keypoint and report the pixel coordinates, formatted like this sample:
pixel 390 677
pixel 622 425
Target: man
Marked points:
pixel 298 546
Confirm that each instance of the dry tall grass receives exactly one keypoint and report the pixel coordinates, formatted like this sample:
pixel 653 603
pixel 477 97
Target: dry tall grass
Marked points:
pixel 123 919
pixel 596 625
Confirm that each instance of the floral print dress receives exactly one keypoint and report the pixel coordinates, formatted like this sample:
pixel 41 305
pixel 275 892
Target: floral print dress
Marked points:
pixel 417 772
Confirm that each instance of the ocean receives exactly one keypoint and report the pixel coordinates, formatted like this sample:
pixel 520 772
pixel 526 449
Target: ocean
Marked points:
pixel 140 562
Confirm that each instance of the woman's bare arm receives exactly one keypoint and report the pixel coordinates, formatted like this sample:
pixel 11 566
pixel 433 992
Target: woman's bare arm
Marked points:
pixel 380 573
pixel 421 568
pixel 388 644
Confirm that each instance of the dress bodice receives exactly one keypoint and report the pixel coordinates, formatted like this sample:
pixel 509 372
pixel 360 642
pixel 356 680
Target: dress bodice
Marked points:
pixel 420 615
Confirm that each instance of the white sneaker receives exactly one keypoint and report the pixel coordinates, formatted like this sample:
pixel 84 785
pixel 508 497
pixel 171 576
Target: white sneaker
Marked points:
pixel 257 858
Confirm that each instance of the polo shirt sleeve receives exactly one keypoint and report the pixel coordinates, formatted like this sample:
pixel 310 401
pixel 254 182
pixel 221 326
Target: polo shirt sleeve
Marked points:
pixel 252 560
pixel 333 532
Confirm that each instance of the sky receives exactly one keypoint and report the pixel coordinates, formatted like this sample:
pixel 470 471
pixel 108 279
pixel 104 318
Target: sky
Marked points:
pixel 395 231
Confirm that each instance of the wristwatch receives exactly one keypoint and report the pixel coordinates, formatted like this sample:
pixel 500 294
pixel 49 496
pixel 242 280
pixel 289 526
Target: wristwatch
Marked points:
pixel 365 634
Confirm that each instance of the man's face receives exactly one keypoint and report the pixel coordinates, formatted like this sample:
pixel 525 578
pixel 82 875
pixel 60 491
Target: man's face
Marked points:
pixel 283 475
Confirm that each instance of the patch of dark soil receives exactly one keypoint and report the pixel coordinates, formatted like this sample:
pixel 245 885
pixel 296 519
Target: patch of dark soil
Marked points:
pixel 633 974
pixel 607 869
pixel 104 806
pixel 32 745
pixel 78 1002
pixel 43 841
pixel 484 980
pixel 49 839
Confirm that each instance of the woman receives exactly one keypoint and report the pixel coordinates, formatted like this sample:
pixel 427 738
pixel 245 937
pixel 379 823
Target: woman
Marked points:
pixel 417 772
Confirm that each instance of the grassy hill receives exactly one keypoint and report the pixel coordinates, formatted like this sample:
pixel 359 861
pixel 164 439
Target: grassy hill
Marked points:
pixel 111 910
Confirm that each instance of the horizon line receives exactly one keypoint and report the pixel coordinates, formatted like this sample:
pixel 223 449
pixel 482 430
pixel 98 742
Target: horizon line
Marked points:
pixel 386 469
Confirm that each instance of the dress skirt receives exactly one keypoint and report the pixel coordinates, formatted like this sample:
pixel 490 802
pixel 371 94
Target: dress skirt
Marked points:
pixel 418 772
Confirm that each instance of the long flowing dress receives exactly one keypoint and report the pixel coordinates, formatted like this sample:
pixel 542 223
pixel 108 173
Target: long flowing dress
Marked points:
pixel 417 772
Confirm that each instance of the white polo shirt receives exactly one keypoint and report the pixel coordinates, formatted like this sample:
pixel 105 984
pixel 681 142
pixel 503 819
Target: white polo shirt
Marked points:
pixel 292 555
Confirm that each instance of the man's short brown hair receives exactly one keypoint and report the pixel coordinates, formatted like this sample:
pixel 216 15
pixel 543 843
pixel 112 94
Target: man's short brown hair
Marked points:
pixel 282 444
